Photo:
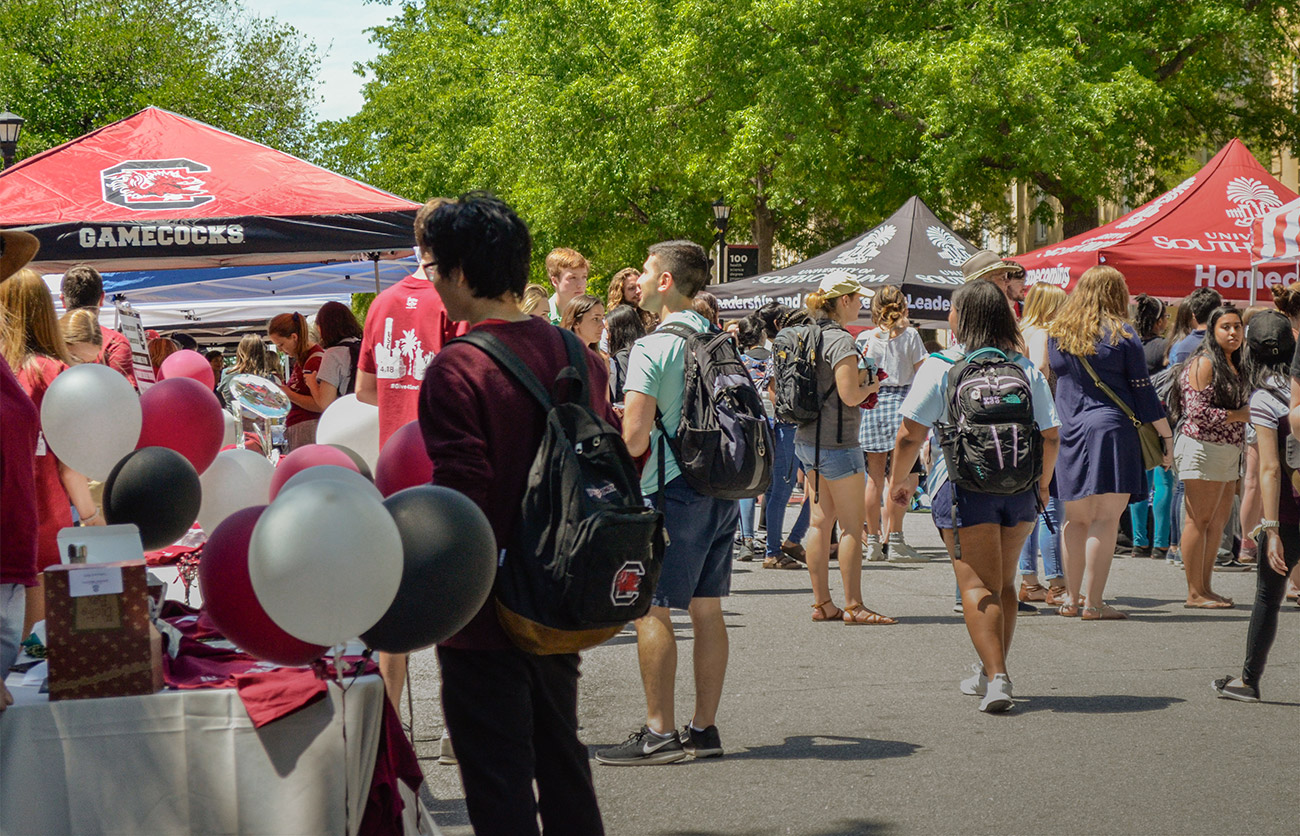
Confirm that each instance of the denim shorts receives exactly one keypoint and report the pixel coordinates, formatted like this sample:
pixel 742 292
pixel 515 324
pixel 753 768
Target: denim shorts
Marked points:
pixel 697 561
pixel 980 508
pixel 835 463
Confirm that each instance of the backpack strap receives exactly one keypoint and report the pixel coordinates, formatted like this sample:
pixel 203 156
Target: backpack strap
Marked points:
pixel 492 346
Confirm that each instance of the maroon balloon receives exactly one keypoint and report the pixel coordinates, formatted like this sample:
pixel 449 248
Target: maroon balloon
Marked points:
pixel 308 455
pixel 182 414
pixel 188 363
pixel 231 603
pixel 404 462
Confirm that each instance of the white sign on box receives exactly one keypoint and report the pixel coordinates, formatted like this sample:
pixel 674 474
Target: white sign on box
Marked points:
pixel 95 580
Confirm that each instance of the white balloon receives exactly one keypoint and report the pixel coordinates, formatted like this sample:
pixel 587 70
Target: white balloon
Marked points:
pixel 91 419
pixel 236 479
pixel 353 424
pixel 232 428
pixel 335 472
pixel 325 560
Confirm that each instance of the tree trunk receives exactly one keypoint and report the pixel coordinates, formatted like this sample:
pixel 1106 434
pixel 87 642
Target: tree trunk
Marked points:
pixel 1079 214
pixel 763 229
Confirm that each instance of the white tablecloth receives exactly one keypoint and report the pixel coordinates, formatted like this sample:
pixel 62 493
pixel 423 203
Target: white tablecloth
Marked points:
pixel 188 762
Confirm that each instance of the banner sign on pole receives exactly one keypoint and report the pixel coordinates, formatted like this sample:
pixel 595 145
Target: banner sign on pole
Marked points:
pixel 128 322
pixel 742 261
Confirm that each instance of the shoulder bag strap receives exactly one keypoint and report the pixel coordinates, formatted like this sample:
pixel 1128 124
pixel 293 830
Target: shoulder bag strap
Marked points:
pixel 1110 393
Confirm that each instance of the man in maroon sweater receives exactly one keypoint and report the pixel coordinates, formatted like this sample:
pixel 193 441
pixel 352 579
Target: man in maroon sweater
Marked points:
pixel 83 287
pixel 513 715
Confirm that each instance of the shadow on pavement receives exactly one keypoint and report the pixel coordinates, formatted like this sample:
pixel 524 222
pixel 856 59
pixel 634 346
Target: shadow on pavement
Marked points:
pixel 449 813
pixel 827 747
pixel 803 590
pixel 1098 704
pixel 843 827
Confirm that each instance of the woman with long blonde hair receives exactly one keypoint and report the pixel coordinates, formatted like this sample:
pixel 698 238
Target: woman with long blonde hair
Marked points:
pixel 81 333
pixel 1041 306
pixel 894 347
pixel 1100 469
pixel 37 355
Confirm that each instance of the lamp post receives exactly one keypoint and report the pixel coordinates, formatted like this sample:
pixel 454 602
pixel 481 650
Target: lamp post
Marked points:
pixel 11 125
pixel 721 216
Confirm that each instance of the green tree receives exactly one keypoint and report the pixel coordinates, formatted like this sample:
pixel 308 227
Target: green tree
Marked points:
pixel 611 124
pixel 70 66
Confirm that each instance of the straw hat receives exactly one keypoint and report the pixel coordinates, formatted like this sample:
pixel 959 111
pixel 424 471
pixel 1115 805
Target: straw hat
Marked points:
pixel 16 249
pixel 987 262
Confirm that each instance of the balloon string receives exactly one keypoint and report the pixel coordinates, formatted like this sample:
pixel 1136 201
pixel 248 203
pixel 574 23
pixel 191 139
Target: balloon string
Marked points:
pixel 343 724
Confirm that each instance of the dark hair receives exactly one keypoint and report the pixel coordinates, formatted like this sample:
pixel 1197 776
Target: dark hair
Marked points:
pixel 335 323
pixel 984 318
pixel 1147 312
pixel 288 325
pixel 1287 299
pixel 482 237
pixel 749 332
pixel 82 287
pixel 624 326
pixel 771 316
pixel 686 261
pixel 214 354
pixel 706 305
pixel 1228 389
pixel 422 216
pixel 185 341
pixel 578 307
pixel 1202 302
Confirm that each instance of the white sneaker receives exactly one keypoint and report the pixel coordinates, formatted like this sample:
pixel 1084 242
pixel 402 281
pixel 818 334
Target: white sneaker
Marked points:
pixel 875 554
pixel 998 697
pixel 900 552
pixel 976 685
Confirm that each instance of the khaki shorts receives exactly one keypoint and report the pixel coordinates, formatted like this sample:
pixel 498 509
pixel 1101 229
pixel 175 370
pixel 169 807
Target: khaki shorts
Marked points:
pixel 1206 460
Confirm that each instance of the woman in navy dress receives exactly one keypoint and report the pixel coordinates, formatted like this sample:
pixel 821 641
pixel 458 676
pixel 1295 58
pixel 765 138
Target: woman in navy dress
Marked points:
pixel 1100 468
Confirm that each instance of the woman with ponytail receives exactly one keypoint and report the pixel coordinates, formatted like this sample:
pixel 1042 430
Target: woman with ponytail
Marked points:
pixel 290 334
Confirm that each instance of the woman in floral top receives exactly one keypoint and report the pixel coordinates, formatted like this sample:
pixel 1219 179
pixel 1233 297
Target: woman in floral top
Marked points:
pixel 1212 397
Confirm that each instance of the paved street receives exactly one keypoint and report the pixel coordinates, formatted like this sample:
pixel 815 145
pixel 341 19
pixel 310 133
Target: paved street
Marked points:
pixel 834 730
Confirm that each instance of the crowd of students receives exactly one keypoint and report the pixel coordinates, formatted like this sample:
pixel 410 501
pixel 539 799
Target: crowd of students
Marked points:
pixel 1097 371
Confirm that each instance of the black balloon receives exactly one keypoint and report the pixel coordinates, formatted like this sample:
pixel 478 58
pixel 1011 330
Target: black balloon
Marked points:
pixel 158 490
pixel 449 554
pixel 357 460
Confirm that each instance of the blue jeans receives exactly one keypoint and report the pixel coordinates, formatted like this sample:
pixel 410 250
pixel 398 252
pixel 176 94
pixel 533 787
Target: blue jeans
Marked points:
pixel 1159 499
pixel 1176 514
pixel 1041 539
pixel 785 467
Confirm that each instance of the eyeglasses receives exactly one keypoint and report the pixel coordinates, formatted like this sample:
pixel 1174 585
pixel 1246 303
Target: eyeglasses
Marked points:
pixel 430 268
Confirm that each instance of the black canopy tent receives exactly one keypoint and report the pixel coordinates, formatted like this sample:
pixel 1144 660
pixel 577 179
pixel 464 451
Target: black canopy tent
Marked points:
pixel 911 249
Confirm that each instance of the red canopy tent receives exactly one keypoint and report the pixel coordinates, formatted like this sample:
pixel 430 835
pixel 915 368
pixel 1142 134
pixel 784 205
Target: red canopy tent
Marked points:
pixel 1197 234
pixel 159 191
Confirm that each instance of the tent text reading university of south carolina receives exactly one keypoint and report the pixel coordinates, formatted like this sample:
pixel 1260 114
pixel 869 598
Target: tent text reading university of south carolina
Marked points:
pixel 158 191
pixel 1197 234
pixel 912 249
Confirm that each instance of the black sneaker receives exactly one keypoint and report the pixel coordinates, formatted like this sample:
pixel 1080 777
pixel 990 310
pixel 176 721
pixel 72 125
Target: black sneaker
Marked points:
pixel 1233 565
pixel 643 748
pixel 1023 608
pixel 1230 688
pixel 701 744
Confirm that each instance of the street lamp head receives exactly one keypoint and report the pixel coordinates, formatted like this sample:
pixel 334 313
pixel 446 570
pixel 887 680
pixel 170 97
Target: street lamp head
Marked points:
pixel 721 214
pixel 11 125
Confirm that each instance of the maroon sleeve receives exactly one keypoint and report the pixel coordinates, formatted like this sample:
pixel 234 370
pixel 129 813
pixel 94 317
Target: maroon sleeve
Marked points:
pixel 117 356
pixel 598 374
pixel 452 424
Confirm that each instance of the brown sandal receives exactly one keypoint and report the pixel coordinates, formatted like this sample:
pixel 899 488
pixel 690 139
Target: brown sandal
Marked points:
pixel 819 614
pixel 858 614
pixel 1103 613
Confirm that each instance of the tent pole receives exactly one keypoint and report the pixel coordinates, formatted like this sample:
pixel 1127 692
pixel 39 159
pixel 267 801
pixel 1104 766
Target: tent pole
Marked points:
pixel 374 258
pixel 1252 283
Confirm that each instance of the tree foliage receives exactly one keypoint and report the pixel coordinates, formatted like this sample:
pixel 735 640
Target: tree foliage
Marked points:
pixel 70 66
pixel 613 123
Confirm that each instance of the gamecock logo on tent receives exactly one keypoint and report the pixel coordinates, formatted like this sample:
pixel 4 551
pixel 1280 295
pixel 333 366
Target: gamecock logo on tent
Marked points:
pixel 627 583
pixel 950 249
pixel 155 184
pixel 869 247
pixel 1253 199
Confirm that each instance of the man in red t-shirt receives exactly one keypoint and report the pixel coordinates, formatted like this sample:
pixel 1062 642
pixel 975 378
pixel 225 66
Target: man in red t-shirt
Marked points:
pixel 83 287
pixel 406 326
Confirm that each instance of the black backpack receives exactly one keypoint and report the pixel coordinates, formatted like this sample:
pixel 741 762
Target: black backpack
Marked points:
pixel 795 352
pixel 723 444
pixel 587 551
pixel 990 440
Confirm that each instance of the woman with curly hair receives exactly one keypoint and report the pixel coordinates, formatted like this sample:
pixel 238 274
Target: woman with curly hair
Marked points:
pixel 894 347
pixel 623 290
pixel 1091 345
pixel 1212 398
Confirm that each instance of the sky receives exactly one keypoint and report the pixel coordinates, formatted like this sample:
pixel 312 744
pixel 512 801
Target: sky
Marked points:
pixel 338 29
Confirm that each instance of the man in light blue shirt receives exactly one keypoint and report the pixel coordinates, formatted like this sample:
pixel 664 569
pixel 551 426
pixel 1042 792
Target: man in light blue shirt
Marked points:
pixel 1201 303
pixel 696 570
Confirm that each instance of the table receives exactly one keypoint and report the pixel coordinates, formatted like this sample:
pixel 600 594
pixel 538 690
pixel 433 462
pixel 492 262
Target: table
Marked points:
pixel 190 762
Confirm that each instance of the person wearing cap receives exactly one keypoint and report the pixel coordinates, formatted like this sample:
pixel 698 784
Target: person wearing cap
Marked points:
pixel 1271 345
pixel 829 451
pixel 18 517
pixel 1007 275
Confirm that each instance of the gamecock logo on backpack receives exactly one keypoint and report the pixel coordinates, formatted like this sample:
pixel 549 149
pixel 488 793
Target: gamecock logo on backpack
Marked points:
pixel 627 583
pixel 155 184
